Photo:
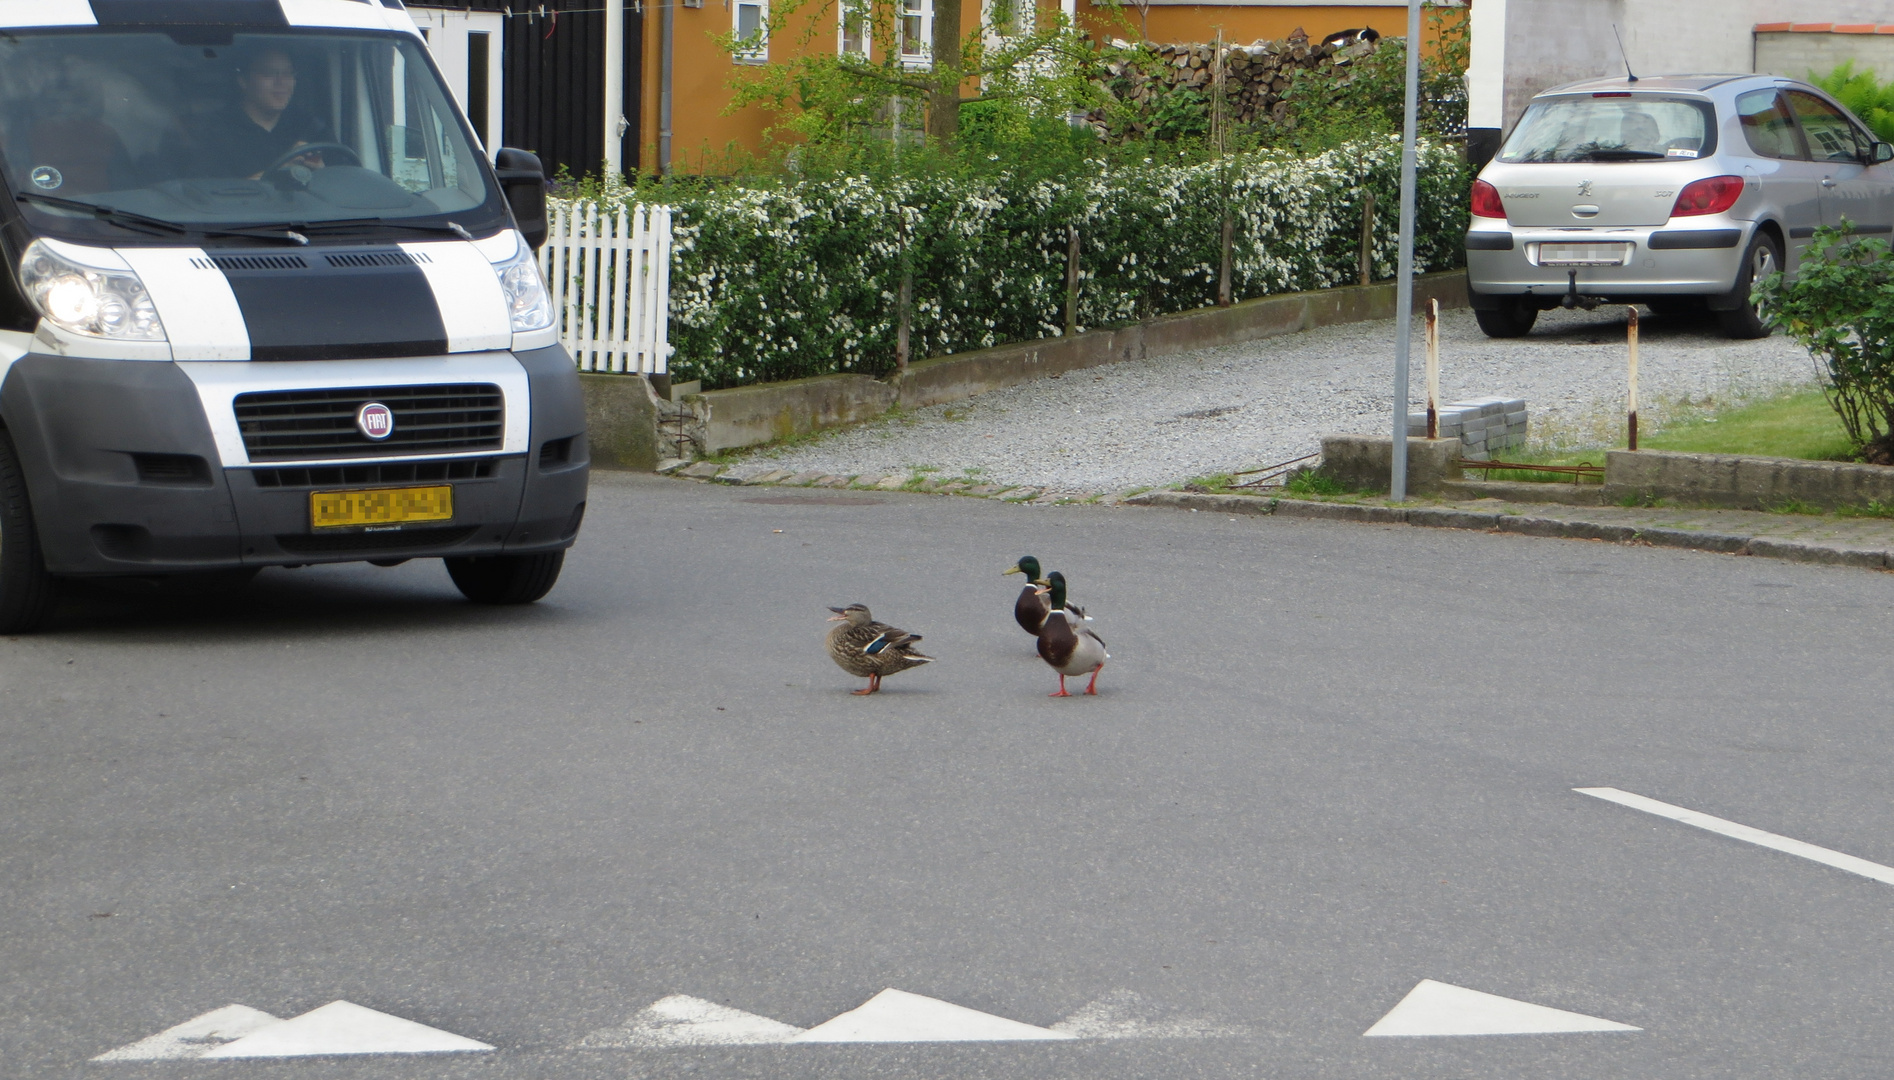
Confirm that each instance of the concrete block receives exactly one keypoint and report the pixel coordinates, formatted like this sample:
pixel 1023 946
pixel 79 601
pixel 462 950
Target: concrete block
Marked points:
pixel 621 421
pixel 1364 463
pixel 1750 483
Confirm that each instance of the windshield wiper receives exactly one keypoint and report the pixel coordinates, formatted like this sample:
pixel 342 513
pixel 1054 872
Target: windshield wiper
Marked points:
pixel 392 223
pixel 159 226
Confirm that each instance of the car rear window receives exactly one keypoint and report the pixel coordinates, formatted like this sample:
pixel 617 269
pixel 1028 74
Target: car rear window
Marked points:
pixel 1767 126
pixel 1612 127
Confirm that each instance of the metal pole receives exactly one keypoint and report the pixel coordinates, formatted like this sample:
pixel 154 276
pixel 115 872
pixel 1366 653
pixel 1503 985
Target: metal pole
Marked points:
pixel 1404 281
pixel 614 86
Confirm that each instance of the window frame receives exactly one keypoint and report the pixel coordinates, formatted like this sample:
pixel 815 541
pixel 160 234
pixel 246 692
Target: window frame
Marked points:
pixel 1862 140
pixel 758 53
pixel 1800 152
pixel 923 54
pixel 865 30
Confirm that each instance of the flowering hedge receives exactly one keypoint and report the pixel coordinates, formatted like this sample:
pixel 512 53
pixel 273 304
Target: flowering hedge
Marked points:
pixel 782 282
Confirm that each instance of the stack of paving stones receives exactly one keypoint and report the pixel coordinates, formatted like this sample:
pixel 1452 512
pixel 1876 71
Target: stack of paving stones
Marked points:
pixel 1485 426
pixel 751 475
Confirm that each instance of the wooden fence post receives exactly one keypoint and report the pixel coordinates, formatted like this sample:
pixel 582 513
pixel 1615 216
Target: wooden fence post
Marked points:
pixel 1071 280
pixel 1367 239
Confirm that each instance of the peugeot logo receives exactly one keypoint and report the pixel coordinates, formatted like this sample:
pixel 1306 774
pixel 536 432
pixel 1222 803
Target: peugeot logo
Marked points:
pixel 377 421
pixel 1584 189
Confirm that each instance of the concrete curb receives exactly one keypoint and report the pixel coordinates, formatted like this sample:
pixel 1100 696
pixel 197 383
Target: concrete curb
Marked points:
pixel 1527 525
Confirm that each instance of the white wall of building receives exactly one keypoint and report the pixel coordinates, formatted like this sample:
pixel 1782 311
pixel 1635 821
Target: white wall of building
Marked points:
pixel 1521 47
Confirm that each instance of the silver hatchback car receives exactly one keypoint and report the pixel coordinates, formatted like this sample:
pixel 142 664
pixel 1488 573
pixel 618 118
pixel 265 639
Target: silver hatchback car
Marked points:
pixel 1674 192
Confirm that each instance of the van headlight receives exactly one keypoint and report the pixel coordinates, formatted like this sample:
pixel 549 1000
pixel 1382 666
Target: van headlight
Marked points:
pixel 526 300
pixel 89 300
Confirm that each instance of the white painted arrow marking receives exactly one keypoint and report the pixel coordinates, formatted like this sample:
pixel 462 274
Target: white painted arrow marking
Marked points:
pixel 681 1020
pixel 1825 856
pixel 1436 1008
pixel 898 1016
pixel 341 1027
pixel 195 1037
pixel 1123 1014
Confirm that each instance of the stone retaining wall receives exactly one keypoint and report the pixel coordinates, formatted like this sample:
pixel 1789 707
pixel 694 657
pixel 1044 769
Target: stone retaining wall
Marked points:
pixel 752 415
pixel 1743 482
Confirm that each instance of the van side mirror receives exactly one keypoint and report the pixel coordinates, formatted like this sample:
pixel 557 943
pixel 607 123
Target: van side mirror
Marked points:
pixel 1882 152
pixel 523 180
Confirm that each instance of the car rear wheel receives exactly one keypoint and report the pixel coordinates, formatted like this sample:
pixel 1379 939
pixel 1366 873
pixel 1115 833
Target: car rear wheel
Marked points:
pixel 1513 320
pixel 1763 258
pixel 26 590
pixel 506 579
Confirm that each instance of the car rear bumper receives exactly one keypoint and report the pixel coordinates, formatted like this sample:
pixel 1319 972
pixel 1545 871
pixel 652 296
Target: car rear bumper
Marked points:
pixel 1701 260
pixel 126 474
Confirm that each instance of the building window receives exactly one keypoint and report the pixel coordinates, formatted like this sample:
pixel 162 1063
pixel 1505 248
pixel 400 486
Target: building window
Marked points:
pixel 856 29
pixel 752 30
pixel 917 31
pixel 1009 18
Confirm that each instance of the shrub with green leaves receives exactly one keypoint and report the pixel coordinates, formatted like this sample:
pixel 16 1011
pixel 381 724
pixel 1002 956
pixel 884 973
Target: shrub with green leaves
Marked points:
pixel 1841 308
pixel 1866 96
pixel 785 278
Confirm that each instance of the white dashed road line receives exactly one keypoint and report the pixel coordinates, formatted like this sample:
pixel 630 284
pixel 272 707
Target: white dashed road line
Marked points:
pixel 1812 852
pixel 1437 1008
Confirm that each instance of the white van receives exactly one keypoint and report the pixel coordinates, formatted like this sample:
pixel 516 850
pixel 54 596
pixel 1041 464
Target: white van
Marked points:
pixel 266 303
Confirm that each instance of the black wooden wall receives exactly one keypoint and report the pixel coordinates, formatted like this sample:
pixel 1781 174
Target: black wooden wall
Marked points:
pixel 553 57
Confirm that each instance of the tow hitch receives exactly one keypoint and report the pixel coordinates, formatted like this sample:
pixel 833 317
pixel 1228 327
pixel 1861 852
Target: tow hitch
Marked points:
pixel 1571 299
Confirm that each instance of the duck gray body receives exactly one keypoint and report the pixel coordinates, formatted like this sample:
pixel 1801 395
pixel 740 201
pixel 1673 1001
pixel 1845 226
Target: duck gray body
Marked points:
pixel 863 647
pixel 1066 644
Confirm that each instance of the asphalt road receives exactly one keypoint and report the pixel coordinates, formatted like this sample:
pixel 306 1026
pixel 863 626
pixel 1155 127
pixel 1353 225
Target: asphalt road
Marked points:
pixel 1327 762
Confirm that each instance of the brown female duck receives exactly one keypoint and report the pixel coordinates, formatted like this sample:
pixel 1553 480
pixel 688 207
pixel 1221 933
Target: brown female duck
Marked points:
pixel 869 649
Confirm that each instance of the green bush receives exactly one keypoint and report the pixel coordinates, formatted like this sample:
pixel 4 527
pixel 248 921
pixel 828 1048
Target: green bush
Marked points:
pixel 1841 308
pixel 785 278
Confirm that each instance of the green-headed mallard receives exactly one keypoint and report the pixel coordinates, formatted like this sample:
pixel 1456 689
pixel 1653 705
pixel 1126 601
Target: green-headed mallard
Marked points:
pixel 861 646
pixel 1031 607
pixel 1066 643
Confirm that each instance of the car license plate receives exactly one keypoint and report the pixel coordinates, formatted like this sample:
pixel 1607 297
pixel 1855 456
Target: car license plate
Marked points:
pixel 380 506
pixel 1584 254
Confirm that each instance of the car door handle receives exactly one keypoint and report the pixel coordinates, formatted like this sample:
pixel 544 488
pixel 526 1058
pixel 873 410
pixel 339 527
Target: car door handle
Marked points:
pixel 1826 182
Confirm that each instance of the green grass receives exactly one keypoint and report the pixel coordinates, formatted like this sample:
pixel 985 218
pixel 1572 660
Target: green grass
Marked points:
pixel 1310 482
pixel 1798 425
pixel 1875 509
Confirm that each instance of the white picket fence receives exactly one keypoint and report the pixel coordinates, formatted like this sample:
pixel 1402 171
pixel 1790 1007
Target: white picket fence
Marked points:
pixel 610 278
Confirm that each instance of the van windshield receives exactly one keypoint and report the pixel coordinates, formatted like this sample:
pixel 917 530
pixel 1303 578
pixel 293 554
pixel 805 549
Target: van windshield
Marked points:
pixel 1612 127
pixel 333 131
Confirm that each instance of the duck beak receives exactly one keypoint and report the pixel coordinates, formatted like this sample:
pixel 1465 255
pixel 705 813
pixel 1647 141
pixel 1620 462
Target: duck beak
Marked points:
pixel 1042 589
pixel 1043 581
pixel 1013 569
pixel 841 614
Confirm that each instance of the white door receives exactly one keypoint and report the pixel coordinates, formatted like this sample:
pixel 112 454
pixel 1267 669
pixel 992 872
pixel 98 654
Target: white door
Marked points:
pixel 464 43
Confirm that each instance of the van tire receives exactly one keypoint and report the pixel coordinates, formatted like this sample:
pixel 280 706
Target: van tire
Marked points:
pixel 1763 257
pixel 506 579
pixel 1511 321
pixel 26 590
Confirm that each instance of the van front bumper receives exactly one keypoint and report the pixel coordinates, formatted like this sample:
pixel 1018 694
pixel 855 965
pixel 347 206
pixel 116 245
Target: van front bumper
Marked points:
pixel 126 473
pixel 1702 259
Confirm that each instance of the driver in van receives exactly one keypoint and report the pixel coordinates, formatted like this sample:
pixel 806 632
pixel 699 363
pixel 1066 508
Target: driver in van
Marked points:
pixel 248 138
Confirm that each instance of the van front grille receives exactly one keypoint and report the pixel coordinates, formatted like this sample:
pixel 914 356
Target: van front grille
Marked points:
pixel 387 472
pixel 287 425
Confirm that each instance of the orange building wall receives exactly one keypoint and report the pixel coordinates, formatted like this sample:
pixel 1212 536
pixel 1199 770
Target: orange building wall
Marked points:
pixel 702 132
pixel 1177 25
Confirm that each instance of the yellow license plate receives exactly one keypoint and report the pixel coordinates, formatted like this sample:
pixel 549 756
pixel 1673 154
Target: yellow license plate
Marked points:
pixel 380 506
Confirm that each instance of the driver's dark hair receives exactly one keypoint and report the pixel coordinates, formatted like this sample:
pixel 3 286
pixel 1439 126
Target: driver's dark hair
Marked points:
pixel 247 56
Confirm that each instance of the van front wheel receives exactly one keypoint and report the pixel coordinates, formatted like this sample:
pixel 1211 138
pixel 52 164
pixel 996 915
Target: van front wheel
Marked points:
pixel 506 579
pixel 26 590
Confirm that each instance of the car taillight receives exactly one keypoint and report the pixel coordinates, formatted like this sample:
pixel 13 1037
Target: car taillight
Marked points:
pixel 1711 195
pixel 1486 202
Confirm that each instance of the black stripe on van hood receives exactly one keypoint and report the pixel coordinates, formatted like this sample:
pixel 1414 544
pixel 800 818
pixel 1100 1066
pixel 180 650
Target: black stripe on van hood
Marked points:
pixel 335 304
pixel 264 13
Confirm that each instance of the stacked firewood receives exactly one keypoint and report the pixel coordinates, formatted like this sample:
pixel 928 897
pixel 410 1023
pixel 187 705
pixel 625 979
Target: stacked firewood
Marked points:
pixel 1255 76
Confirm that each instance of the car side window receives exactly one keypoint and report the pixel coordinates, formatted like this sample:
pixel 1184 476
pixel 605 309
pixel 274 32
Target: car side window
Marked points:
pixel 1768 126
pixel 1831 137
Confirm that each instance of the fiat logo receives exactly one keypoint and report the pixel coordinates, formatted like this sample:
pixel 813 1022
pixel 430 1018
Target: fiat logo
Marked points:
pixel 376 420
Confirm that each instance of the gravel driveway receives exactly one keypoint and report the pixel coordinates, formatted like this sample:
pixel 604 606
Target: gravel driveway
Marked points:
pixel 1154 422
